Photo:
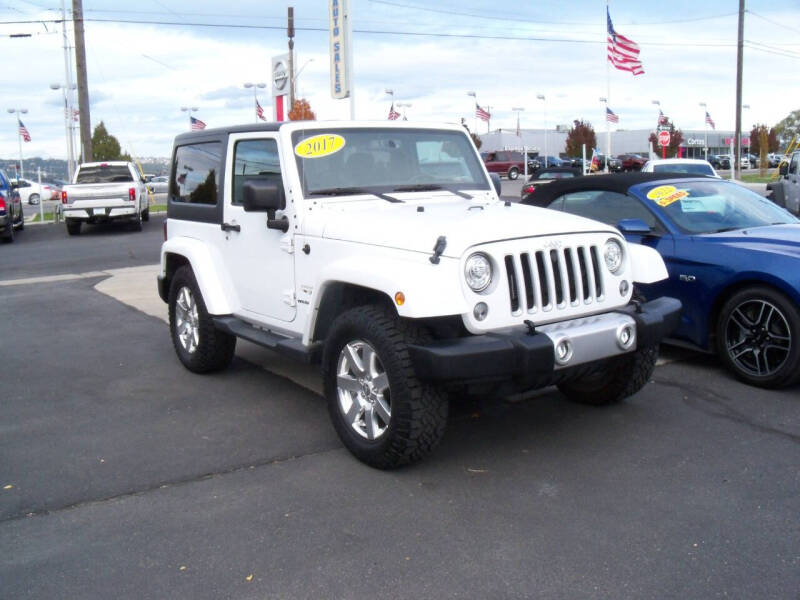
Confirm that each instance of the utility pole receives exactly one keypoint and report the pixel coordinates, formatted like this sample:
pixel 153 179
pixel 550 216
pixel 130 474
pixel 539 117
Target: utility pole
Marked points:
pixel 739 56
pixel 290 33
pixel 83 85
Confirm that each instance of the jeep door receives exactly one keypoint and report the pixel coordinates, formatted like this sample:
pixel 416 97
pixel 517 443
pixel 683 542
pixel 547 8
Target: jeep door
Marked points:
pixel 260 260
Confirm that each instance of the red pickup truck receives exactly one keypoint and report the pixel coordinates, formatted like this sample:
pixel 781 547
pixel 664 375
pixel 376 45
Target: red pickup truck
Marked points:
pixel 504 162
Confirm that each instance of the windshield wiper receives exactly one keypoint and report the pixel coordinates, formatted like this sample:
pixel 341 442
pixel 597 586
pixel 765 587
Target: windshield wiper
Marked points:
pixel 724 229
pixel 348 191
pixel 429 187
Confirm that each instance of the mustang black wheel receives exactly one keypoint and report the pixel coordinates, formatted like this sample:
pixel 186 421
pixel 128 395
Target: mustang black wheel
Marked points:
pixel 757 337
pixel 382 412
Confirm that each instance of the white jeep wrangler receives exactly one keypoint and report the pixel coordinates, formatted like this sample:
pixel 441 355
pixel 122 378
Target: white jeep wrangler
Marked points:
pixel 382 252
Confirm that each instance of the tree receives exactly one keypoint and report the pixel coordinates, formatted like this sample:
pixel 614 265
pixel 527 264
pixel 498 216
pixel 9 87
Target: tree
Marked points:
pixel 301 111
pixel 476 140
pixel 580 133
pixel 788 128
pixel 755 139
pixel 675 139
pixel 105 146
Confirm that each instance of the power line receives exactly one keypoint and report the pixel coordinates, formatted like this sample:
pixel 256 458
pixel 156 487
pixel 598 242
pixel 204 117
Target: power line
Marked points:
pixel 379 32
pixel 778 23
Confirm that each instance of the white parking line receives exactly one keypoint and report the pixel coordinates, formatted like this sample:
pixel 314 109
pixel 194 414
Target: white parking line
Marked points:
pixel 51 278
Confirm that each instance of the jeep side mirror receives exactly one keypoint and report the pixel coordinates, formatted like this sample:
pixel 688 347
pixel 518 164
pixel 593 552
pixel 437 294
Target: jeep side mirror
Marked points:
pixel 633 226
pixel 496 182
pixel 266 196
pixel 783 169
pixel 263 196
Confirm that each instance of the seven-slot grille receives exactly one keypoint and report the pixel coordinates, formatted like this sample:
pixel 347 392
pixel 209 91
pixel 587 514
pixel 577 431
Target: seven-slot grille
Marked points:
pixel 552 279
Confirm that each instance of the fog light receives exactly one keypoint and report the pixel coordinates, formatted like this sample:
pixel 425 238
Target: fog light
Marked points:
pixel 623 288
pixel 480 311
pixel 626 336
pixel 563 351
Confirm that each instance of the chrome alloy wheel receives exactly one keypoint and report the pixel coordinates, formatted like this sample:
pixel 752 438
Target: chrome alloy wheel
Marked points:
pixel 363 390
pixel 758 338
pixel 187 323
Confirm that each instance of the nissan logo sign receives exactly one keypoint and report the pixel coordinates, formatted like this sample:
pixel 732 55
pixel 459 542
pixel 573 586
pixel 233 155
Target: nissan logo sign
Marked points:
pixel 279 76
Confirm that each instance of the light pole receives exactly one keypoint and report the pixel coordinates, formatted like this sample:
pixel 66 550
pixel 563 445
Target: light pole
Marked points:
pixel 404 105
pixel 705 129
pixel 474 110
pixel 604 100
pixel 255 87
pixel 748 141
pixel 17 112
pixel 544 118
pixel 518 109
pixel 297 74
pixel 190 110
pixel 658 104
pixel 68 120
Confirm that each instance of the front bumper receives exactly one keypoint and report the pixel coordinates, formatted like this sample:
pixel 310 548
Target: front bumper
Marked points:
pixel 524 354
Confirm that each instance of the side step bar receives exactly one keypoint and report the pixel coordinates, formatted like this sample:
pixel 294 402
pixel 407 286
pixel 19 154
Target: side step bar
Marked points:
pixel 291 347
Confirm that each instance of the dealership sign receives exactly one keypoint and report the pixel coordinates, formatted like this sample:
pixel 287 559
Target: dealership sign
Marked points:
pixel 695 142
pixel 340 48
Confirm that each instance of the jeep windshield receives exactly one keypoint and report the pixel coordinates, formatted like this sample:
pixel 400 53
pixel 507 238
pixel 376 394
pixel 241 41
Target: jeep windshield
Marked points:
pixel 386 160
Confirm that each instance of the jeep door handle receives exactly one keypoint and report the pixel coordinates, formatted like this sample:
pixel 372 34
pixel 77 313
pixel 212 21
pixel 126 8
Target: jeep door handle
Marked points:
pixel 229 227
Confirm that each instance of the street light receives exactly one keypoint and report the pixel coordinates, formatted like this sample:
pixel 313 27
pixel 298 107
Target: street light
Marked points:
pixel 190 110
pixel 69 116
pixel 474 110
pixel 705 128
pixel 518 109
pixel 17 111
pixel 544 118
pixel 404 105
pixel 255 87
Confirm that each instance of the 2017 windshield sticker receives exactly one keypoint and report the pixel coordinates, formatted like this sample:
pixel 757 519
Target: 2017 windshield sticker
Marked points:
pixel 664 195
pixel 318 146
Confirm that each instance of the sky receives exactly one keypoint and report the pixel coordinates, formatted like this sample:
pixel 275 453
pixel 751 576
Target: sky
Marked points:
pixel 430 52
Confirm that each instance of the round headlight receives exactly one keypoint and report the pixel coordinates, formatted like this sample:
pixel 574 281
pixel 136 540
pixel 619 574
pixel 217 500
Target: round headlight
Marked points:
pixel 612 254
pixel 478 272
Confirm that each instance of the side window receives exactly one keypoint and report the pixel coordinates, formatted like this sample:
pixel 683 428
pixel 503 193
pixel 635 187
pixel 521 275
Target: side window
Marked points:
pixel 195 174
pixel 254 160
pixel 606 207
pixel 502 156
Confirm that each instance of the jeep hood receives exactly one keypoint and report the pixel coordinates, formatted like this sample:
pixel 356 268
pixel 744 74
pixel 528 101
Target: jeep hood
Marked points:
pixel 417 225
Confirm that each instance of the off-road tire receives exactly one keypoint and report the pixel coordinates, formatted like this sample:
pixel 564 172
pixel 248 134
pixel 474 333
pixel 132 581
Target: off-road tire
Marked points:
pixel 788 373
pixel 622 376
pixel 418 410
pixel 73 227
pixel 215 348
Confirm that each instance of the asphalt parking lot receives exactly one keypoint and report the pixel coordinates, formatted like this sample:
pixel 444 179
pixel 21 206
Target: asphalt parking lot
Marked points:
pixel 123 475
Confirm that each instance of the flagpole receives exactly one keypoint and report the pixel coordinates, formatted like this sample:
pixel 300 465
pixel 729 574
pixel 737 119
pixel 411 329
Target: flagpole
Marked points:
pixel 608 97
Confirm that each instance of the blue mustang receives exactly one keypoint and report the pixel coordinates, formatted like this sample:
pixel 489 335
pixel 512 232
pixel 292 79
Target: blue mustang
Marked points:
pixel 733 259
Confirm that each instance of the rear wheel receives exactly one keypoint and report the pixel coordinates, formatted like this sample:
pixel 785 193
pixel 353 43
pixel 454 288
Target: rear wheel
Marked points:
pixel 383 413
pixel 73 227
pixel 757 337
pixel 8 236
pixel 200 346
pixel 622 376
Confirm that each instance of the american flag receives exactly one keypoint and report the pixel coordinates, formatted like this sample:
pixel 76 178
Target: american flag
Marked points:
pixel 23 131
pixel 197 124
pixel 709 120
pixel 611 116
pixel 393 114
pixel 662 119
pixel 623 52
pixel 482 114
pixel 260 112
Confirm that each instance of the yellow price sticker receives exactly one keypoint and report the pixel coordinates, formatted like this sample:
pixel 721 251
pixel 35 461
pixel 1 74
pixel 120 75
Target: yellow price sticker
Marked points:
pixel 661 191
pixel 318 146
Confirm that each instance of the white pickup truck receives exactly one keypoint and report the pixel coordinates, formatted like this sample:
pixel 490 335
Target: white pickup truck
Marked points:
pixel 382 252
pixel 102 192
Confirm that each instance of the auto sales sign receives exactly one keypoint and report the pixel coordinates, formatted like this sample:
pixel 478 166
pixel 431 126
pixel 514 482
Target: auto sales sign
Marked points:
pixel 340 48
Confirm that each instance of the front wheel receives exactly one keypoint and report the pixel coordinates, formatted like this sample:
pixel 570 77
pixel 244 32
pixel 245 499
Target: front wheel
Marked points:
pixel 200 346
pixel 622 376
pixel 33 199
pixel 513 173
pixel 757 337
pixel 384 415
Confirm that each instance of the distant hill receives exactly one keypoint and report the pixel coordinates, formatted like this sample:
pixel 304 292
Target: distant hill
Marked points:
pixel 54 168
